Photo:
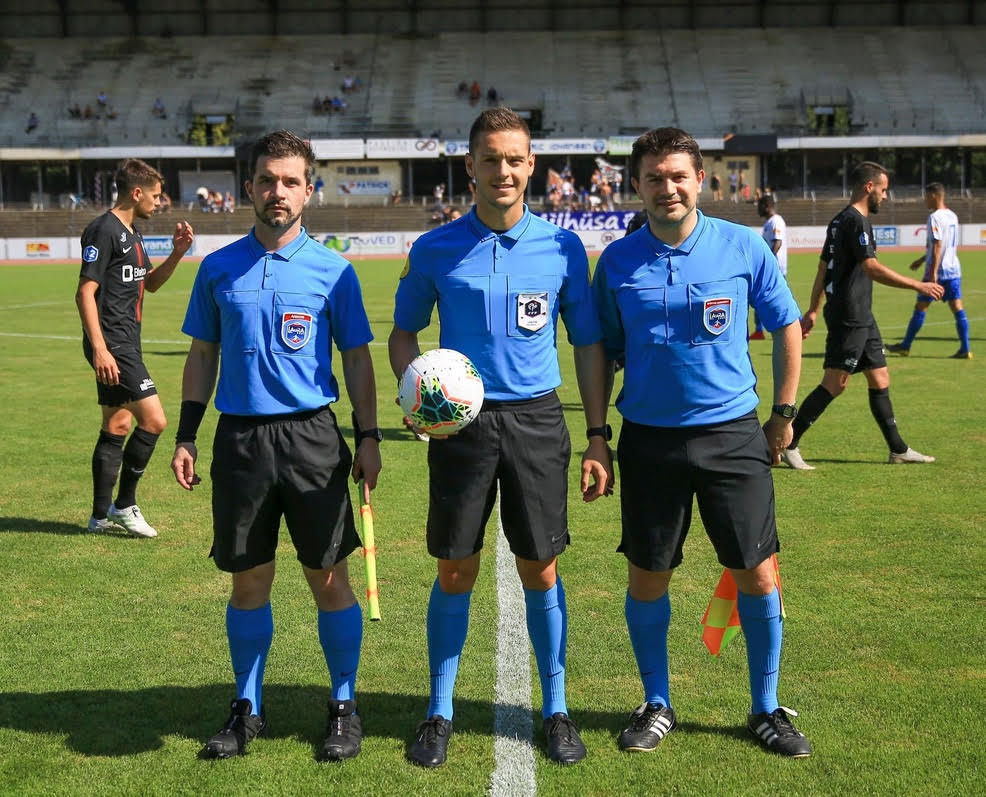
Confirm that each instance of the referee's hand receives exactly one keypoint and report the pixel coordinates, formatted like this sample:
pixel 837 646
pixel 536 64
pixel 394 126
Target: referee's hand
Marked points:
pixel 183 465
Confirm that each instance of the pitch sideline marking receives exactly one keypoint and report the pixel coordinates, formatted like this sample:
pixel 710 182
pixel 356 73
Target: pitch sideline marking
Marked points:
pixel 513 726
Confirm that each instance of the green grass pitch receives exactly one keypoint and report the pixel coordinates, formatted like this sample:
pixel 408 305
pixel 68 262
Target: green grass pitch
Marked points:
pixel 113 659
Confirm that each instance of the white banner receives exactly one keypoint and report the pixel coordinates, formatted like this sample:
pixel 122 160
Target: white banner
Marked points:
pixel 363 243
pixel 568 146
pixel 806 238
pixel 338 149
pixel 454 148
pixel 39 248
pixel 402 148
pixel 974 234
pixel 363 188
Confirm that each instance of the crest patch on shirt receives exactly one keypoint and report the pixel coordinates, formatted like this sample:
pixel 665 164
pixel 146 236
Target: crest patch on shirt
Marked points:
pixel 532 310
pixel 90 254
pixel 864 239
pixel 717 314
pixel 296 329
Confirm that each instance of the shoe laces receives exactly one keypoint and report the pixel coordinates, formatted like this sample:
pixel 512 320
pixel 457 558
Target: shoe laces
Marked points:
pixel 642 717
pixel 339 726
pixel 431 729
pixel 559 725
pixel 782 724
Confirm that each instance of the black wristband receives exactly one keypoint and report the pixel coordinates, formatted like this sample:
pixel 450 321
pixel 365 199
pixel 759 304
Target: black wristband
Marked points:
pixel 191 416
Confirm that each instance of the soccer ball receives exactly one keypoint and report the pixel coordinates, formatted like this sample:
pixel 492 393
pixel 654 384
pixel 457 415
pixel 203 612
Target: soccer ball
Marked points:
pixel 441 391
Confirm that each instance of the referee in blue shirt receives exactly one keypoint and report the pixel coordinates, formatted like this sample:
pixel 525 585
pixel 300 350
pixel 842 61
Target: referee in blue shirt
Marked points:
pixel 272 304
pixel 673 298
pixel 500 277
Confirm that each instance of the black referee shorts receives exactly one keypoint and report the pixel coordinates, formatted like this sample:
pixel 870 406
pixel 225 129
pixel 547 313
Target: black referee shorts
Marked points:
pixel 727 466
pixel 523 445
pixel 135 382
pixel 854 349
pixel 292 465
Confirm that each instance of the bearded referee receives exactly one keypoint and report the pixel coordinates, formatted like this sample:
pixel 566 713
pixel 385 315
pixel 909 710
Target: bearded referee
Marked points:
pixel 115 273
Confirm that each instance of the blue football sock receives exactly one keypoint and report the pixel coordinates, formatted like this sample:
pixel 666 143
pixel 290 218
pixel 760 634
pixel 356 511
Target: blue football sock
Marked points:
pixel 760 617
pixel 962 327
pixel 913 327
pixel 547 626
pixel 448 622
pixel 250 632
pixel 648 622
pixel 341 635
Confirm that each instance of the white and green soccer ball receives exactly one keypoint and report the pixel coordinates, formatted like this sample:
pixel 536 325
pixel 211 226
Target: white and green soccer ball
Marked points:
pixel 441 391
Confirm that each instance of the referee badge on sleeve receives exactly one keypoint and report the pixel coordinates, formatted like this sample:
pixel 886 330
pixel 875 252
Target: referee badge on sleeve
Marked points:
pixel 717 315
pixel 296 329
pixel 532 310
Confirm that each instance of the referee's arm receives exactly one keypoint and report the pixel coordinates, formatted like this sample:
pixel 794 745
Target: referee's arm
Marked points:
pixel 197 383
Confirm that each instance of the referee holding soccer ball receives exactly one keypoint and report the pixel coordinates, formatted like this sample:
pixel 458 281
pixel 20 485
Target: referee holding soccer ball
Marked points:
pixel 272 304
pixel 500 277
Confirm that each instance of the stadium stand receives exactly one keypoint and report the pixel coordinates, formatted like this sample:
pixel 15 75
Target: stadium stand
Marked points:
pixel 918 80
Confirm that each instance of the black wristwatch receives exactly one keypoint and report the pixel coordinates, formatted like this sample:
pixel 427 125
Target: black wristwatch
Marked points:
pixel 373 433
pixel 605 432
pixel 785 410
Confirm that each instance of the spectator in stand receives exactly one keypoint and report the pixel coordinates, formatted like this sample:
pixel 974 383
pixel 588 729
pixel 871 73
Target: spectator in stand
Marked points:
pixel 606 194
pixel 165 205
pixel 474 92
pixel 101 99
pixel 463 90
pixel 733 183
pixel 32 122
pixel 716 185
pixel 229 202
pixel 158 109
pixel 319 191
pixel 439 193
pixel 742 189
pixel 396 197
pixel 491 96
pixel 74 111
pixel 87 114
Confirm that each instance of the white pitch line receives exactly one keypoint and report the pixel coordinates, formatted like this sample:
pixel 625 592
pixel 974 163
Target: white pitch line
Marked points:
pixel 513 726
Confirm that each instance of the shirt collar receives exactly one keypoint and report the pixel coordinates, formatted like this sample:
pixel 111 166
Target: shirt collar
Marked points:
pixel 686 246
pixel 514 233
pixel 286 252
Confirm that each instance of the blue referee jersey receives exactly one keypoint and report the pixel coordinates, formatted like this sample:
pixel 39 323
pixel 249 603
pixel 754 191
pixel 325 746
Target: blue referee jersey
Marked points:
pixel 679 316
pixel 499 296
pixel 273 314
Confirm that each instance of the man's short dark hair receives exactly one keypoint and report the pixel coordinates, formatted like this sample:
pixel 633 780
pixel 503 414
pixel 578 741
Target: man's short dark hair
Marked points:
pixel 134 172
pixel 938 189
pixel 661 142
pixel 866 172
pixel 496 120
pixel 283 144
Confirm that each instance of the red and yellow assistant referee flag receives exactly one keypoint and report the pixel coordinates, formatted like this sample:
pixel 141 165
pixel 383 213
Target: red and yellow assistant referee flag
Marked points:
pixel 721 623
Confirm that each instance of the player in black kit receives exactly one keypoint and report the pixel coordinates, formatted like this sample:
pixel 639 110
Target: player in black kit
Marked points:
pixel 115 272
pixel 846 272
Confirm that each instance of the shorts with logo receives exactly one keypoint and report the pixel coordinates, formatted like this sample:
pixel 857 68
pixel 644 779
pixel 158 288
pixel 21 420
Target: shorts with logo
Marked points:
pixel 135 382
pixel 293 465
pixel 522 445
pixel 953 290
pixel 854 349
pixel 726 466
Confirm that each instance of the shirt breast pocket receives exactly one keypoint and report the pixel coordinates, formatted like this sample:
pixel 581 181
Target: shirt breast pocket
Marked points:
pixel 713 308
pixel 531 301
pixel 240 320
pixel 296 326
pixel 644 312
pixel 464 308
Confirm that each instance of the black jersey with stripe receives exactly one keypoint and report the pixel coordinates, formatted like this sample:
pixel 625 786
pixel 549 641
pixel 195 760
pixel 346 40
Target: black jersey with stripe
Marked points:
pixel 114 257
pixel 848 288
